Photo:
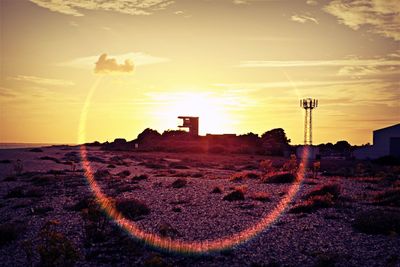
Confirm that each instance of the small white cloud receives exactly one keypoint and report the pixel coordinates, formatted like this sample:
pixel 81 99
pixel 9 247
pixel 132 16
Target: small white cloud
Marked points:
pixel 303 19
pixel 240 2
pixel 312 2
pixel 106 65
pixel 139 58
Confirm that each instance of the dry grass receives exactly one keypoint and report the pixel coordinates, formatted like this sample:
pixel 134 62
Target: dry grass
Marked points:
pixel 280 178
pixel 261 196
pixel 132 208
pixel 217 190
pixel 179 183
pixel 10 232
pixel 244 175
pixel 378 221
pixel 325 196
pixel 314 203
pixel 389 197
pixel 332 189
pixel 234 196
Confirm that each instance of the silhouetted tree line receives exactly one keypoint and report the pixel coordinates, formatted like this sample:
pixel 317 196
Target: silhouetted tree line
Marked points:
pixel 273 142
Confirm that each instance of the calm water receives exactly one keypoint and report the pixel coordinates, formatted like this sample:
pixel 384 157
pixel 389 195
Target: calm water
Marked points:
pixel 24 145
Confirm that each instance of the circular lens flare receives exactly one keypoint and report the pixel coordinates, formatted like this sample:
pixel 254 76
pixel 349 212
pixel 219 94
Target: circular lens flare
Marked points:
pixel 197 247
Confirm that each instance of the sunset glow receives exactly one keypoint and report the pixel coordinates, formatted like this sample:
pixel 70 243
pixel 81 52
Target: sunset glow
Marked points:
pixel 240 66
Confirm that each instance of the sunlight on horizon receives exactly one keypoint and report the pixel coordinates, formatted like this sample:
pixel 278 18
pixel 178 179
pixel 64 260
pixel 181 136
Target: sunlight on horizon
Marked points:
pixel 213 111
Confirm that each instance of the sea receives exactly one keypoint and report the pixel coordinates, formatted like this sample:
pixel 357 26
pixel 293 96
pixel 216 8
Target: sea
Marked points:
pixel 26 145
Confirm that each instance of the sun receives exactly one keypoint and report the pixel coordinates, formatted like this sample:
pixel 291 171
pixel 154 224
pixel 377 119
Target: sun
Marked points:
pixel 212 110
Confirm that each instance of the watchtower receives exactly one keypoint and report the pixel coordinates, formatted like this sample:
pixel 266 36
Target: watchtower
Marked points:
pixel 190 122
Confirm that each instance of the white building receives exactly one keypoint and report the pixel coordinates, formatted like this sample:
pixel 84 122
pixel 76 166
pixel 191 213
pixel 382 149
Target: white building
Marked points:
pixel 386 141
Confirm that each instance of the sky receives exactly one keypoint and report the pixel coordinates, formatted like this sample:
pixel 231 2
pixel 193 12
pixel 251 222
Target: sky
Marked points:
pixel 240 65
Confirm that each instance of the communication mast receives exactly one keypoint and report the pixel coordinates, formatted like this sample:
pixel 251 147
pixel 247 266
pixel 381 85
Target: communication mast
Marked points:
pixel 308 104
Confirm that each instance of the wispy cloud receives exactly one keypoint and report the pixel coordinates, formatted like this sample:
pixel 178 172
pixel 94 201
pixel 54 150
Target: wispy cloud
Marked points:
pixel 106 65
pixel 381 16
pixel 139 58
pixel 130 7
pixel 246 87
pixel 41 80
pixel 240 2
pixel 312 2
pixel 303 19
pixel 317 63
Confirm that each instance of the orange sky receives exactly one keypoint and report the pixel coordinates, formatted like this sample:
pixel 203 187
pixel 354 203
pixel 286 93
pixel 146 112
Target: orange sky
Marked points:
pixel 241 65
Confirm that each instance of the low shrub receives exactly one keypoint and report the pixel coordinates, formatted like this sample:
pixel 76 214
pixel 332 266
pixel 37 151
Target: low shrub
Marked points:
pixel 81 204
pixel 234 196
pixel 17 192
pixel 140 177
pixel 244 175
pixel 42 210
pixel 132 208
pixel 333 189
pixel 261 196
pixel 266 166
pixel 217 190
pixel 42 180
pixel 377 222
pixel 166 230
pixel 280 178
pixel 36 149
pixel 179 183
pixel 10 232
pixel 101 173
pixel 124 174
pixel 155 261
pixel 55 249
pixel 177 165
pixel 10 178
pixel 94 222
pixel 50 158
pixel 390 197
pixel 387 161
pixel 314 203
pixel 35 192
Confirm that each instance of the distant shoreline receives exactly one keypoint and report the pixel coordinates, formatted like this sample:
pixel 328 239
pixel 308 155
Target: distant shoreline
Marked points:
pixel 29 145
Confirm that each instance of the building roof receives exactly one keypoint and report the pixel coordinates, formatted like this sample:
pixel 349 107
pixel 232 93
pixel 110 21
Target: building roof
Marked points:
pixel 389 127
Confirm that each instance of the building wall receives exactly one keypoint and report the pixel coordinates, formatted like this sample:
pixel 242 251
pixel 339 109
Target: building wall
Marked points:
pixel 381 144
pixel 382 139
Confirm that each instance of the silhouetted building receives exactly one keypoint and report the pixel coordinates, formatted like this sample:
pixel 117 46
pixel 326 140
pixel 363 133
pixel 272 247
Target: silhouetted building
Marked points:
pixel 192 123
pixel 386 141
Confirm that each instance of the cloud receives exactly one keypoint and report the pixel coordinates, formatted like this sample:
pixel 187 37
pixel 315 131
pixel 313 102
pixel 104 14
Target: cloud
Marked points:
pixel 139 58
pixel 130 7
pixel 312 2
pixel 110 65
pixel 240 2
pixel 41 80
pixel 380 16
pixel 317 63
pixel 303 19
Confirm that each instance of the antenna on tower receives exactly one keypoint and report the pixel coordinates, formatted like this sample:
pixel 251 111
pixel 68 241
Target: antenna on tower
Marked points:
pixel 308 104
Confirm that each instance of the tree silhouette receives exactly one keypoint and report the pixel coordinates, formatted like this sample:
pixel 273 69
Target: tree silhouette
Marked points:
pixel 148 135
pixel 275 141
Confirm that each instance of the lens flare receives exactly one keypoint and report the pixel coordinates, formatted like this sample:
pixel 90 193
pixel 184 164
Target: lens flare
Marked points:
pixel 196 247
